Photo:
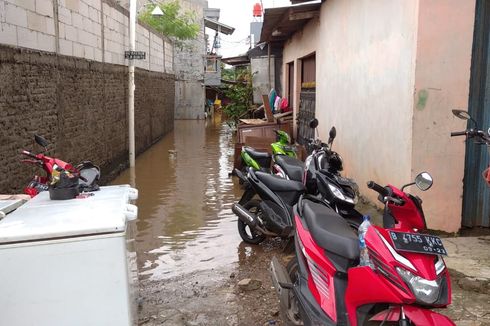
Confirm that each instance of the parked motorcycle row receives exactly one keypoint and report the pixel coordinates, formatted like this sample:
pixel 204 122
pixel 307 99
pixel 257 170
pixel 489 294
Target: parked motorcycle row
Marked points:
pixel 345 271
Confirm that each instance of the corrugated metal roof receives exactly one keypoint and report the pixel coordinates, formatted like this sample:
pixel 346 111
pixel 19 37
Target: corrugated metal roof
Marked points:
pixel 281 23
pixel 219 27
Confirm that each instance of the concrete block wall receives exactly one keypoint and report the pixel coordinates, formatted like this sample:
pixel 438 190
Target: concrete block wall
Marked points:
pixel 91 29
pixel 80 28
pixel 28 24
pixel 189 60
pixel 116 34
pixel 169 57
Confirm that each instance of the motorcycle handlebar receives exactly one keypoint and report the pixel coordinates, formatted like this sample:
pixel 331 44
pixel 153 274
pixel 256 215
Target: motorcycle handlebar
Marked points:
pixel 458 133
pixel 27 153
pixel 379 189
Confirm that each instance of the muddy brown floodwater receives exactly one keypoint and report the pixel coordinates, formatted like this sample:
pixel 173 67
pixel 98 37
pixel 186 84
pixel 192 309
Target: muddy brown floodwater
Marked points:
pixel 190 255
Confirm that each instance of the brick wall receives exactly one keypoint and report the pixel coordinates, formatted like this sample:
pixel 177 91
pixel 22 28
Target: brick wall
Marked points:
pixel 78 105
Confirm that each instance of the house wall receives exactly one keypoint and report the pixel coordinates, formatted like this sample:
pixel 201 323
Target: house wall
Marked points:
pixel 365 76
pixel 302 43
pixel 444 48
pixel 387 75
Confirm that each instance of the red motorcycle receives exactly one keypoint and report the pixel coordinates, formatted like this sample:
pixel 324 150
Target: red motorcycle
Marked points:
pixel 86 172
pixel 323 284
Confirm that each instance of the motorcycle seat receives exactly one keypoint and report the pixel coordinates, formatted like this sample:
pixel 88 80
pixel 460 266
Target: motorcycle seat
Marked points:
pixel 293 167
pixel 330 231
pixel 278 184
pixel 255 153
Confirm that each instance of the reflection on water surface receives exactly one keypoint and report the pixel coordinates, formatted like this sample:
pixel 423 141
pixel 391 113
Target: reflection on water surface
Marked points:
pixel 185 221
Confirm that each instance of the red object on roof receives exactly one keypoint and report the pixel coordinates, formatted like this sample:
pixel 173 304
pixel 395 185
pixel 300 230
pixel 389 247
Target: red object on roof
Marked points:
pixel 257 10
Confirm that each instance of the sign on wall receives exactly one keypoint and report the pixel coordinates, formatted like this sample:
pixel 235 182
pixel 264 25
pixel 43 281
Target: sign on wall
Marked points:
pixel 135 55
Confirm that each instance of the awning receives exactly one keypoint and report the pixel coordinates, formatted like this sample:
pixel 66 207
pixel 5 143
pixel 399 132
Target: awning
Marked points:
pixel 237 61
pixel 219 27
pixel 281 23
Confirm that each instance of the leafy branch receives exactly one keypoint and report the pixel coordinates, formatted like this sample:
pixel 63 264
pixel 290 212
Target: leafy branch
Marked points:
pixel 173 23
pixel 240 95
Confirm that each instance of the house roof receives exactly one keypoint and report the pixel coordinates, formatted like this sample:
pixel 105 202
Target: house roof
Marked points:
pixel 219 27
pixel 281 23
pixel 300 1
pixel 237 61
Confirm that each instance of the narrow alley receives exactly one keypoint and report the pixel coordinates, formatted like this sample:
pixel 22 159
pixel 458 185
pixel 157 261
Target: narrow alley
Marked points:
pixel 189 252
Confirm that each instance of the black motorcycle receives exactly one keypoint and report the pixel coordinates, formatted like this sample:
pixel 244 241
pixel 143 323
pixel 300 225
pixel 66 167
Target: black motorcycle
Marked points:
pixel 272 215
pixel 323 179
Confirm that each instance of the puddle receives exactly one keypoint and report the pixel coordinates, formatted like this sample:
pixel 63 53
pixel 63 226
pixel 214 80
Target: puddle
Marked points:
pixel 185 223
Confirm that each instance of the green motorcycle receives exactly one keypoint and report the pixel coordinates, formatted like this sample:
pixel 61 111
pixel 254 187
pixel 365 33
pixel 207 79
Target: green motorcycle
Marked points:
pixel 261 161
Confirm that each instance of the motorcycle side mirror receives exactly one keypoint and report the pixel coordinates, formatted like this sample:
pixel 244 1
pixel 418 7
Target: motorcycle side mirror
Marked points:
pixel 464 115
pixel 41 141
pixel 423 181
pixel 332 134
pixel 313 123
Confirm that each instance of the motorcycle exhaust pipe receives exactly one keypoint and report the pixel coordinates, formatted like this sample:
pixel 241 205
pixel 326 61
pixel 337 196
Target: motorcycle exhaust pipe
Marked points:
pixel 250 219
pixel 243 214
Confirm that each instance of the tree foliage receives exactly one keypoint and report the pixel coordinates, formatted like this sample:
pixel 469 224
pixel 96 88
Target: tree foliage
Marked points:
pixel 240 95
pixel 174 23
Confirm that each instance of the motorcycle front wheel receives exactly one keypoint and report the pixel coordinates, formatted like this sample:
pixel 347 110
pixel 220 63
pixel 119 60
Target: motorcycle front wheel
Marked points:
pixel 290 315
pixel 246 233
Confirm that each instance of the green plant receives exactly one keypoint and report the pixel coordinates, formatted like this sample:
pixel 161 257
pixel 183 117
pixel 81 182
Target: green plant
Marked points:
pixel 240 94
pixel 174 23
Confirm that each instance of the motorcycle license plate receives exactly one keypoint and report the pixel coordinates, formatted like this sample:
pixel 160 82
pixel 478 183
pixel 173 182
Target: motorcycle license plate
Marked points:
pixel 420 243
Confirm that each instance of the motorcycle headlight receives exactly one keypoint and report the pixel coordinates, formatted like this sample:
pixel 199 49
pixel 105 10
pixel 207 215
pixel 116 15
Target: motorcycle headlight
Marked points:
pixel 337 193
pixel 424 290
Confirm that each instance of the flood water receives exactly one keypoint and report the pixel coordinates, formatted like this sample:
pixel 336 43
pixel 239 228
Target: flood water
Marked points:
pixel 185 223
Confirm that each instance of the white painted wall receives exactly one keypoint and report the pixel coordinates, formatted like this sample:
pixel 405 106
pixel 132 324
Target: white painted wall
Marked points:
pixel 90 29
pixel 365 77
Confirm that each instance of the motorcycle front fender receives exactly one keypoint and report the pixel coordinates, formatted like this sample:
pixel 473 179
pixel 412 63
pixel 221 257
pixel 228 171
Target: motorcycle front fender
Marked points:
pixel 417 315
pixel 421 316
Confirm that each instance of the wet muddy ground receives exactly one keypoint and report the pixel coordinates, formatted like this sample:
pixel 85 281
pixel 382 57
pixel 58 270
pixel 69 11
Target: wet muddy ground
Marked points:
pixel 190 256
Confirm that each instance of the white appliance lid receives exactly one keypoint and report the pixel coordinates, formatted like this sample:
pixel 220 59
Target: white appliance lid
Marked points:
pixel 107 211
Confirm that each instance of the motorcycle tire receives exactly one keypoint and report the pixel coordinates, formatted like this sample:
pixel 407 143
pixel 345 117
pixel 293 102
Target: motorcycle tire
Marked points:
pixel 291 316
pixel 246 233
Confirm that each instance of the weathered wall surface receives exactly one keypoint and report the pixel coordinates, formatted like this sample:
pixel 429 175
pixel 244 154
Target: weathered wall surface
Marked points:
pixel 365 77
pixel 189 68
pixel 80 106
pixel 444 48
pixel 260 77
pixel 388 74
pixel 300 45
pixel 72 86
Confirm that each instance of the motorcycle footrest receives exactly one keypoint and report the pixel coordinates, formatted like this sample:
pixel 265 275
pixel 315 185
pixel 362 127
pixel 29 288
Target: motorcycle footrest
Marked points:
pixel 280 277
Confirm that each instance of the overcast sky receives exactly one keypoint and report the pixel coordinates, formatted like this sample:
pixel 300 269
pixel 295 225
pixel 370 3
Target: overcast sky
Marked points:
pixel 238 14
